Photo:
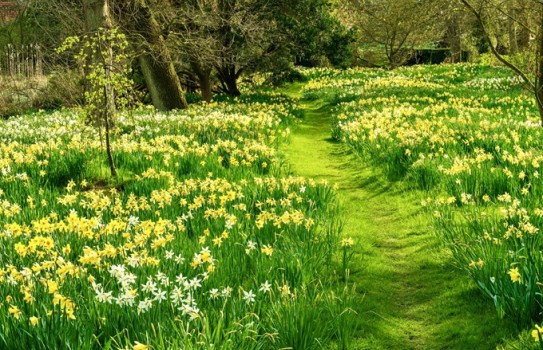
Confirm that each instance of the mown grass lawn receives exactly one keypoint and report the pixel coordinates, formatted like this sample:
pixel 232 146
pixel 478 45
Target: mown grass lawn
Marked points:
pixel 461 143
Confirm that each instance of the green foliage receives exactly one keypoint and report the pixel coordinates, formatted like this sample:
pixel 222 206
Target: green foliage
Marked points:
pixel 103 58
pixel 193 97
pixel 324 40
pixel 525 61
pixel 339 45
pixel 288 75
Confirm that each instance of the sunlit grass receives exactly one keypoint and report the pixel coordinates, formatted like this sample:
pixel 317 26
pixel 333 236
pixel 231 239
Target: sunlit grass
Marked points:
pixel 468 135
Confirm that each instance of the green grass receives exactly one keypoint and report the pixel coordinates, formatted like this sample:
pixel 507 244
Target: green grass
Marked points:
pixel 469 136
pixel 206 185
pixel 408 293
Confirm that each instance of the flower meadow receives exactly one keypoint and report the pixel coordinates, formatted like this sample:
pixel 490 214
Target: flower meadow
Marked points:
pixel 469 137
pixel 202 242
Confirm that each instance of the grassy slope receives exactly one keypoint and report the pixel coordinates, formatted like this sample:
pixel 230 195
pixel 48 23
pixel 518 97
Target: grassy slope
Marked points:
pixel 411 297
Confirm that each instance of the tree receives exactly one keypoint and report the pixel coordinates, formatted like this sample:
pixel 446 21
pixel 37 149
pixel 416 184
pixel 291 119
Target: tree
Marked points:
pixel 453 15
pixel 232 37
pixel 97 55
pixel 192 35
pixel 534 78
pixel 57 19
pixel 325 40
pixel 138 21
pixel 245 35
pixel 396 26
pixel 101 54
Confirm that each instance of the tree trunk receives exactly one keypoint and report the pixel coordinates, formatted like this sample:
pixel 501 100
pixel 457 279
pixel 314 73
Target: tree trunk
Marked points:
pixel 512 29
pixel 539 77
pixel 162 82
pixel 454 40
pixel 523 35
pixel 96 13
pixel 481 42
pixel 226 70
pixel 107 122
pixel 205 86
pixel 229 78
pixel 97 16
pixel 204 80
pixel 156 64
pixel 110 109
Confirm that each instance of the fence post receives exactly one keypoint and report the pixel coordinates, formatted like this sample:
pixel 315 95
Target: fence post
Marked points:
pixel 24 61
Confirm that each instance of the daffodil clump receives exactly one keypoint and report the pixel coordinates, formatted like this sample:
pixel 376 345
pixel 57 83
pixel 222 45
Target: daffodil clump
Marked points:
pixel 470 136
pixel 201 243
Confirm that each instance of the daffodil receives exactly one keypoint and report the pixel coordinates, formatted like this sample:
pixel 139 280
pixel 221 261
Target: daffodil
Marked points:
pixel 15 311
pixel 514 274
pixel 267 250
pixel 347 242
pixel 140 346
pixel 34 320
pixel 537 333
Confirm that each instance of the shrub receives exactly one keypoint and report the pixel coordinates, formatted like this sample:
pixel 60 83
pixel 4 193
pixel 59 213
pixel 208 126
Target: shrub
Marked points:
pixel 18 93
pixel 64 89
pixel 286 76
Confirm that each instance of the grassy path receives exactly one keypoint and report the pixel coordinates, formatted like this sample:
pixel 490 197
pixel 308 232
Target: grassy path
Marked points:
pixel 410 295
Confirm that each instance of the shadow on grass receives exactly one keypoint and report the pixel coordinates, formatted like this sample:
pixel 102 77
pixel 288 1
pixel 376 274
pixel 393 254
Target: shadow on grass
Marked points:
pixel 413 298
pixel 410 294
